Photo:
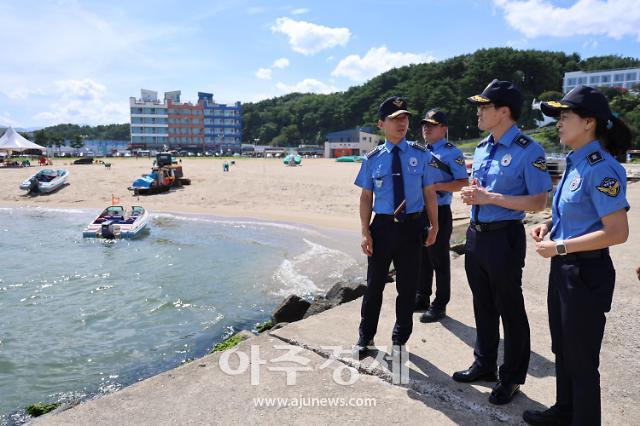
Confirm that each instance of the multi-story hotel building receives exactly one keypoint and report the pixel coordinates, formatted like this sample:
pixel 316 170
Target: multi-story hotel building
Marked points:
pixel 203 126
pixel 624 78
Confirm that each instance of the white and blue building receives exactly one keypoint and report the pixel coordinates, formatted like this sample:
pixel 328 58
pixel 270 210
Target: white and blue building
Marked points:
pixel 624 78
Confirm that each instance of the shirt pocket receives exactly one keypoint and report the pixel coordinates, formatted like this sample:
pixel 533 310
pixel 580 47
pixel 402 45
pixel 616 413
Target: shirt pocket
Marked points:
pixel 570 197
pixel 381 178
pixel 414 175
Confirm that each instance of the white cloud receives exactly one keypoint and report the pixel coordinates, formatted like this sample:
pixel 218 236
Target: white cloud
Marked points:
pixel 264 73
pixel 376 61
pixel 281 63
pixel 83 102
pixel 590 44
pixel 535 18
pixel 308 85
pixel 300 11
pixel 22 93
pixel 308 38
pixel 7 121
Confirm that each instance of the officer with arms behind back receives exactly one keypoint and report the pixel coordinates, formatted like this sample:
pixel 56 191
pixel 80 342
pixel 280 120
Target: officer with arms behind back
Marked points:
pixel 589 214
pixel 450 161
pixel 510 177
pixel 398 174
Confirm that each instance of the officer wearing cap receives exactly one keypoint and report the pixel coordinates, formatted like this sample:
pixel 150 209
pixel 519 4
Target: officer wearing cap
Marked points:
pixel 509 178
pixel 396 181
pixel 589 214
pixel 450 162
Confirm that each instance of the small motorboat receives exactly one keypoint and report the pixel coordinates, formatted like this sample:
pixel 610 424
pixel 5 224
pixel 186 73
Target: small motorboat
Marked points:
pixel 292 160
pixel 115 222
pixel 45 180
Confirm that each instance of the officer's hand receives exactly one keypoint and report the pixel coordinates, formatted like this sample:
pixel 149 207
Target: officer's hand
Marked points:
pixel 367 244
pixel 538 232
pixel 546 249
pixel 432 233
pixel 467 194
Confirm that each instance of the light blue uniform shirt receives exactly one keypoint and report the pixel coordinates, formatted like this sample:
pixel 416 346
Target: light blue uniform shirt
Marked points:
pixel 375 175
pixel 593 185
pixel 452 157
pixel 517 167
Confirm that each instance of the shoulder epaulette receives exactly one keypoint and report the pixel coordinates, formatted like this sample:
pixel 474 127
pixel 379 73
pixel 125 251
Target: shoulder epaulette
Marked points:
pixel 417 146
pixel 523 141
pixel 484 141
pixel 595 157
pixel 374 151
pixel 449 145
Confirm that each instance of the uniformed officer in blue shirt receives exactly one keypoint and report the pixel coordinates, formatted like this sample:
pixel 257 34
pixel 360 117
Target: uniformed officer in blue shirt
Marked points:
pixel 589 214
pixel 510 177
pixel 396 181
pixel 453 176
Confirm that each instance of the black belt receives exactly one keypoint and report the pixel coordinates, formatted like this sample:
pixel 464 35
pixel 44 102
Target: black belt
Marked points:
pixel 408 216
pixel 493 226
pixel 591 254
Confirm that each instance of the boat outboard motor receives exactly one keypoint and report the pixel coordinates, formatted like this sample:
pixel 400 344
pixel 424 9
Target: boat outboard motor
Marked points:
pixel 33 185
pixel 110 230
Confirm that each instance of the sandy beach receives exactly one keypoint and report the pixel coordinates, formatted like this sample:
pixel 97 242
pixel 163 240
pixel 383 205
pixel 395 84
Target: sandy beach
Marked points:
pixel 320 192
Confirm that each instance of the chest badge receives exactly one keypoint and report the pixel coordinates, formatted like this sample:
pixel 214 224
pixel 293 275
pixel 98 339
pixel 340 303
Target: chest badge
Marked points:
pixel 506 160
pixel 575 183
pixel 378 183
pixel 413 161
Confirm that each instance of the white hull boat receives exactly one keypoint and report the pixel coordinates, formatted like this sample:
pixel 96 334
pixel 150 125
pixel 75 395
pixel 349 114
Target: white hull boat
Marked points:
pixel 115 222
pixel 45 180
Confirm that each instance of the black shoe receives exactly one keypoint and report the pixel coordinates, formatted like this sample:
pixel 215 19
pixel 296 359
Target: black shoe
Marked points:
pixel 422 303
pixel 475 373
pixel 433 314
pixel 503 393
pixel 362 347
pixel 551 417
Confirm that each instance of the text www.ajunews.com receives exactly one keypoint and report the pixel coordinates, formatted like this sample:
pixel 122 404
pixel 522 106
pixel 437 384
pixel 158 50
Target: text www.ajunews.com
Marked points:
pixel 304 402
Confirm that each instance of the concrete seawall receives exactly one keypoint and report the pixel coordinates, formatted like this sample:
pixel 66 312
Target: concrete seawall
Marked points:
pixel 202 392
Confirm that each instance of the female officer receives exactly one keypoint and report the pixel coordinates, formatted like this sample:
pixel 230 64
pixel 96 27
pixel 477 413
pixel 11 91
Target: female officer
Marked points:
pixel 589 215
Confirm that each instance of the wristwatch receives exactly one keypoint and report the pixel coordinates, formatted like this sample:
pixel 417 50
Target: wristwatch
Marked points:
pixel 561 249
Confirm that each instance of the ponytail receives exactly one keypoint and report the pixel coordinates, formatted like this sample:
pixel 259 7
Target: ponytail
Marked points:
pixel 615 135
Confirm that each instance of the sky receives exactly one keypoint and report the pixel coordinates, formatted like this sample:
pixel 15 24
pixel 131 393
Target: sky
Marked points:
pixel 71 61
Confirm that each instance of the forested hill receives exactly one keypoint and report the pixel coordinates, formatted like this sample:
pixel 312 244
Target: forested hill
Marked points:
pixel 296 117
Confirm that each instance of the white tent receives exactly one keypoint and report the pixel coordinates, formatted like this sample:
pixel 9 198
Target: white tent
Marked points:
pixel 13 141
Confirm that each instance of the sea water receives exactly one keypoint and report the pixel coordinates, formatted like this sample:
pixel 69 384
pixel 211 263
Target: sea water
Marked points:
pixel 83 317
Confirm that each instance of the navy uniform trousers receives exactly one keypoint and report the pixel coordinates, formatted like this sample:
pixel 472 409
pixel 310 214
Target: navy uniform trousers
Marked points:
pixel 580 292
pixel 436 258
pixel 493 262
pixel 400 243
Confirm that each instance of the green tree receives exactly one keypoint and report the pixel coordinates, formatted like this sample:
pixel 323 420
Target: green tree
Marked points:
pixel 77 142
pixel 550 95
pixel 58 141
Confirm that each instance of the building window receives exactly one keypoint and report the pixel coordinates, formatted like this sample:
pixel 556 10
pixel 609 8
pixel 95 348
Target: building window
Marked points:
pixel 632 76
pixel 618 78
pixel 594 79
pixel 571 82
pixel 606 79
